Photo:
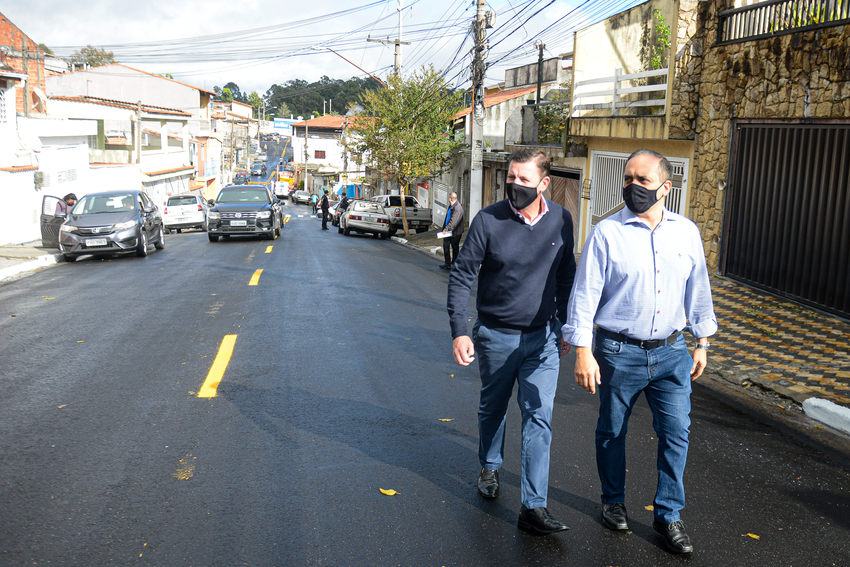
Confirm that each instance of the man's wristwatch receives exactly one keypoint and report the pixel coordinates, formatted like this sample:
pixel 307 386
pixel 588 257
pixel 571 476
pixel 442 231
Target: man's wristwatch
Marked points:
pixel 704 347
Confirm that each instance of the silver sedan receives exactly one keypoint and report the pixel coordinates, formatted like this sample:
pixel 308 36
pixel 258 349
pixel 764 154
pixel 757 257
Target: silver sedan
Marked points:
pixel 365 217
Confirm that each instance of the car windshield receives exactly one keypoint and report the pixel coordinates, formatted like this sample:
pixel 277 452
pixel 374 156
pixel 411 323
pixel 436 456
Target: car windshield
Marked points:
pixel 243 195
pixel 111 203
pixel 368 207
pixel 174 201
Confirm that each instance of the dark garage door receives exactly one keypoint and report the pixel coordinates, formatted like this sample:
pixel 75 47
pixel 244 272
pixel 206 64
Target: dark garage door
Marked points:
pixel 787 221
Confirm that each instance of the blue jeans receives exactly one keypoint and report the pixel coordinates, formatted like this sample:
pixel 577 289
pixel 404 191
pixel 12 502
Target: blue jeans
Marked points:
pixel 532 361
pixel 663 375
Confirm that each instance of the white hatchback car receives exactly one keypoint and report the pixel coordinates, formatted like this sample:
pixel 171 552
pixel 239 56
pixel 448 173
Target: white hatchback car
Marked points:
pixel 185 211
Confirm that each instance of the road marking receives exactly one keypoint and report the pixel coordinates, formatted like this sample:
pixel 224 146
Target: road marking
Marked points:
pixel 255 279
pixel 286 219
pixel 269 249
pixel 225 351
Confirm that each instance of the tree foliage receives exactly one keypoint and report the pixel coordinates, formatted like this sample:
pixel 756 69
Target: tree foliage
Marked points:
pixel 255 101
pixel 237 95
pixel 226 95
pixel 404 131
pixel 45 49
pixel 301 98
pixel 90 56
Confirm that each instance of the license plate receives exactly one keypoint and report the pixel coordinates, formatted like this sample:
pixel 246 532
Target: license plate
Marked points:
pixel 95 242
pixel 182 219
pixel 238 223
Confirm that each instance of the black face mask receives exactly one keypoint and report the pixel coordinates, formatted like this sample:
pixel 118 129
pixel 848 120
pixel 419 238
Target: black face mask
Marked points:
pixel 520 196
pixel 640 199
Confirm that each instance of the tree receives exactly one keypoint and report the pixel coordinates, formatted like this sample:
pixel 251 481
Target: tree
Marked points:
pixel 90 56
pixel 226 95
pixel 45 49
pixel 404 131
pixel 255 101
pixel 238 95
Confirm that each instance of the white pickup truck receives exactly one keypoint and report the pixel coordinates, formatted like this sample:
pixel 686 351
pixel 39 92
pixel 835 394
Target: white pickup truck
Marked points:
pixel 419 218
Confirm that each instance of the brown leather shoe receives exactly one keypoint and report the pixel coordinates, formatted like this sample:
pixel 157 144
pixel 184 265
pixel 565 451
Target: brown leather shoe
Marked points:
pixel 539 521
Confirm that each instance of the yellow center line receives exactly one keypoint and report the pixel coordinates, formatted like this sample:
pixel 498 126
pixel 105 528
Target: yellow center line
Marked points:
pixel 255 279
pixel 225 351
pixel 268 250
pixel 286 219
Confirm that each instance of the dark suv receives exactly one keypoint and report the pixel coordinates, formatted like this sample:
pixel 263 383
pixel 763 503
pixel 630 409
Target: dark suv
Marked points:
pixel 244 209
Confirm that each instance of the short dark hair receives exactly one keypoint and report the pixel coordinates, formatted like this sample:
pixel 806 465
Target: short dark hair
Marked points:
pixel 665 170
pixel 525 155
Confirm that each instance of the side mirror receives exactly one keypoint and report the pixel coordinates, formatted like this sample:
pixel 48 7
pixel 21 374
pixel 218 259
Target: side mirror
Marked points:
pixel 211 202
pixel 61 215
pixel 149 209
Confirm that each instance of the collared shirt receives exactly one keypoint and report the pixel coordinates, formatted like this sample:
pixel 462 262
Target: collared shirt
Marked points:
pixel 642 283
pixel 536 219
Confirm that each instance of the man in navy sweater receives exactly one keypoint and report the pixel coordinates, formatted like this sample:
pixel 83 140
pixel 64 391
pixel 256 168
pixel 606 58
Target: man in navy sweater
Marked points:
pixel 524 247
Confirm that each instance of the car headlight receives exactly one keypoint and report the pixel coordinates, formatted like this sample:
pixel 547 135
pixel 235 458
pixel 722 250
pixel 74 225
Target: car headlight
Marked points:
pixel 264 214
pixel 214 215
pixel 125 225
pixel 67 228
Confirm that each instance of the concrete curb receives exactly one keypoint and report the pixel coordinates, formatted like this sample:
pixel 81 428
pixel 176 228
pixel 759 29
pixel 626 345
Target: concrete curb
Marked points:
pixel 34 264
pixel 829 413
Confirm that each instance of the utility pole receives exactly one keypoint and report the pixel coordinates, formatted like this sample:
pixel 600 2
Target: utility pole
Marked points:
pixel 306 135
pixel 479 67
pixel 398 43
pixel 540 46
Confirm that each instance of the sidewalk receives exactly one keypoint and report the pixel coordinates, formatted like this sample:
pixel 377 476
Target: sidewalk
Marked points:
pixel 782 347
pixel 18 258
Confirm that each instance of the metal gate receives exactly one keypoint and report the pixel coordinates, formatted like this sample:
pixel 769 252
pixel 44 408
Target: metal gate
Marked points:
pixel 787 227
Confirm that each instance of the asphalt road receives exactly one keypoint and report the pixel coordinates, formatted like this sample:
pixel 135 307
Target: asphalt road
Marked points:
pixel 338 381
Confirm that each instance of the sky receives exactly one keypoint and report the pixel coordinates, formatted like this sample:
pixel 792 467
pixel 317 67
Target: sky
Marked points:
pixel 257 44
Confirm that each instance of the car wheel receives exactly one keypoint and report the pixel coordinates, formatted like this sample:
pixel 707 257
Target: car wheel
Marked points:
pixel 339 229
pixel 346 231
pixel 277 231
pixel 160 243
pixel 391 232
pixel 70 258
pixel 179 231
pixel 142 249
pixel 212 237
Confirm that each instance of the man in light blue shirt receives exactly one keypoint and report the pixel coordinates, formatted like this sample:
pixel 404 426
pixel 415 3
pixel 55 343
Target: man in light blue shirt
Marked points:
pixel 642 280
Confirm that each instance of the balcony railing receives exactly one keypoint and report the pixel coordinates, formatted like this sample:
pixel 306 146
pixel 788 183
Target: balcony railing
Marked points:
pixel 613 100
pixel 775 17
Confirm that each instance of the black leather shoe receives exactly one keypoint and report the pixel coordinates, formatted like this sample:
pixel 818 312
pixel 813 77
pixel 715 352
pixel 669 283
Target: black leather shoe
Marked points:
pixel 488 483
pixel 675 537
pixel 539 521
pixel 446 266
pixel 614 516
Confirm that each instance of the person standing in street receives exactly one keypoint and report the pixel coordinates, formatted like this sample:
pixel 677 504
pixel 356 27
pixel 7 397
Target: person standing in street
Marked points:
pixel 454 225
pixel 324 207
pixel 521 249
pixel 315 200
pixel 642 273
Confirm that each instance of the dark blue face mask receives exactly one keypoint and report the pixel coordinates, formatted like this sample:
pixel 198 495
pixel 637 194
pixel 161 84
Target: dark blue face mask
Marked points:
pixel 640 199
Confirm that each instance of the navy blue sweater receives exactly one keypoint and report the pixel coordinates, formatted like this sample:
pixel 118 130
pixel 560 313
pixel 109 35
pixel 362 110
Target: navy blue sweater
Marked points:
pixel 526 272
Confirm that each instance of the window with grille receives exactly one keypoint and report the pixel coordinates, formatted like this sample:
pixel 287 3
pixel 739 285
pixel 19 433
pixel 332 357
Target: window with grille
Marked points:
pixel 320 154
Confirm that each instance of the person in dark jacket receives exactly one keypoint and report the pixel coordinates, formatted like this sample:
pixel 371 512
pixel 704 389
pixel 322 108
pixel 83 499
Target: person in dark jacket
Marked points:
pixel 324 205
pixel 453 224
pixel 521 251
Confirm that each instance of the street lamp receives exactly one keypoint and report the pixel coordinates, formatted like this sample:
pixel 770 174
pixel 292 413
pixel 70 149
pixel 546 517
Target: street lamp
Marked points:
pixel 317 48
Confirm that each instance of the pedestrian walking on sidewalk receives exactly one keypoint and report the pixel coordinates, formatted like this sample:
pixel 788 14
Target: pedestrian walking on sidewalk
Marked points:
pixel 524 248
pixel 324 207
pixel 642 272
pixel 453 225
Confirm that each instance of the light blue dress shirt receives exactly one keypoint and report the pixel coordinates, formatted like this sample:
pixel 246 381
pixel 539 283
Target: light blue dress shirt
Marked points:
pixel 642 283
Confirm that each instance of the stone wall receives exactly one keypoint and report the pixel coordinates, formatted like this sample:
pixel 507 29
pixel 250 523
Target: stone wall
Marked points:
pixel 797 76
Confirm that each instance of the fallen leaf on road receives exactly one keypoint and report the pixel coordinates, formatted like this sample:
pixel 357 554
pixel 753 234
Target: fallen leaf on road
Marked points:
pixel 818 426
pixel 191 393
pixel 754 536
pixel 650 507
pixel 62 406
pixel 14 315
pixel 81 341
pixel 445 419
pixel 389 492
pixel 47 298
pixel 451 375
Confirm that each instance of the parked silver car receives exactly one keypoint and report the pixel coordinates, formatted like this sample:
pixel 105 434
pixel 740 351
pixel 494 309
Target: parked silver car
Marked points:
pixel 365 217
pixel 110 223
